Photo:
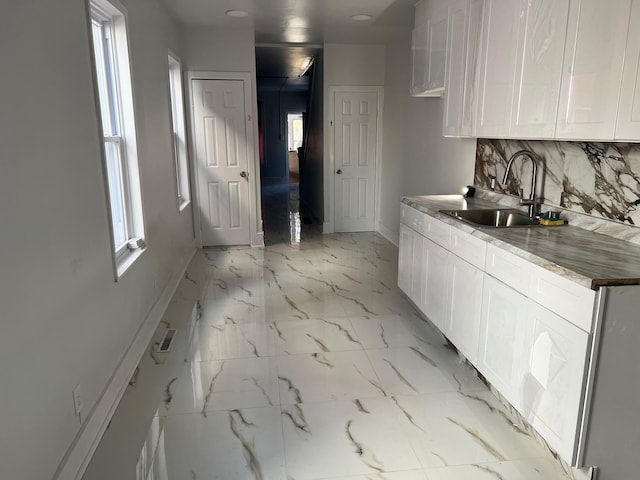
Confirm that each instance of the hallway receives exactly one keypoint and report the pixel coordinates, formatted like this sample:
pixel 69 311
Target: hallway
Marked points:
pixel 308 363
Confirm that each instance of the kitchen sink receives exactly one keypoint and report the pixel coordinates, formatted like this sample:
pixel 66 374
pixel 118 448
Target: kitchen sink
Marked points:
pixel 499 218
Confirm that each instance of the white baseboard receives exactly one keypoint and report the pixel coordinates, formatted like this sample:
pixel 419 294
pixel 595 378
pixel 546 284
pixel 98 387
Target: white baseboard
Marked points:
pixel 77 458
pixel 258 240
pixel 386 232
pixel 326 228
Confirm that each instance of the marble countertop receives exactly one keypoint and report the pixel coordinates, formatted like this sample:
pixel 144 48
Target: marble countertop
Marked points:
pixel 585 257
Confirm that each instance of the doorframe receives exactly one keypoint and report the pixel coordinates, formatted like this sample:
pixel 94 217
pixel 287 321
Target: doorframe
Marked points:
pixel 256 232
pixel 329 158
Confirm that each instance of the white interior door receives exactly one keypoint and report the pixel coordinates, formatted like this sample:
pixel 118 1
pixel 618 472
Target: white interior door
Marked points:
pixel 355 152
pixel 221 161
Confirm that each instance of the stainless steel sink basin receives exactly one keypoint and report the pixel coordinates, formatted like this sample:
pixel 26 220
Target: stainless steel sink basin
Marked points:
pixel 500 218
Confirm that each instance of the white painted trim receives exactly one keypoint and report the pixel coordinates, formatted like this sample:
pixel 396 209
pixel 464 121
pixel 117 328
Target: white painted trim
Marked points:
pixel 386 232
pixel 256 234
pixel 329 160
pixel 79 454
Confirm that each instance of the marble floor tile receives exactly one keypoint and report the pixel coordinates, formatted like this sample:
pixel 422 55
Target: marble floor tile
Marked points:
pixel 226 385
pixel 322 377
pixel 315 336
pixel 324 440
pixel 384 331
pixel 459 428
pixel 234 444
pixel 221 342
pixel 529 469
pixel 415 370
pixel 403 475
pixel 308 363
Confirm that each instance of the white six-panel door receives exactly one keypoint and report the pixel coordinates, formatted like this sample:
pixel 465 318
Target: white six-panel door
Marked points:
pixel 221 161
pixel 355 152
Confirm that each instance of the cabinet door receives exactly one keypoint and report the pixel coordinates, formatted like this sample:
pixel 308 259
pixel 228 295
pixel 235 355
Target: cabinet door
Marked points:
pixel 501 338
pixel 472 50
pixel 592 72
pixel 464 307
pixel 456 56
pixel 497 60
pixel 434 299
pixel 541 38
pixel 436 50
pixel 628 125
pixel 555 357
pixel 404 258
pixel 419 60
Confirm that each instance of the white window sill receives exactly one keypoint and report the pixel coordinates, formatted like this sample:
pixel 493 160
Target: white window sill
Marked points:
pixel 125 261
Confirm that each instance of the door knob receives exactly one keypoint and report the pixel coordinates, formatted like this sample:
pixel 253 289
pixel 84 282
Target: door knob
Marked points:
pixel 339 172
pixel 244 174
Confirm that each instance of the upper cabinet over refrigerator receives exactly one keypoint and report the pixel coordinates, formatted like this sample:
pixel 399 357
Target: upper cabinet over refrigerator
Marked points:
pixel 429 49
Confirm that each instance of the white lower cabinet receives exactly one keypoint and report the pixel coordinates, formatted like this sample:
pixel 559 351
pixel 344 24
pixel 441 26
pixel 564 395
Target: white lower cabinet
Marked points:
pixel 405 254
pixel 417 268
pixel 502 327
pixel 464 307
pixel 525 328
pixel 555 356
pixel 436 280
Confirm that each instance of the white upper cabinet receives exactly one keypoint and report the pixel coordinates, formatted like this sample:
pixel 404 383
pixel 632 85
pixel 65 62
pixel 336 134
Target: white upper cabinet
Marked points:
pixel 628 126
pixel 592 72
pixel 429 49
pixel 541 38
pixel 519 87
pixel 497 60
pixel 464 27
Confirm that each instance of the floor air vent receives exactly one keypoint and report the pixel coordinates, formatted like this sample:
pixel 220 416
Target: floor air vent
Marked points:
pixel 167 340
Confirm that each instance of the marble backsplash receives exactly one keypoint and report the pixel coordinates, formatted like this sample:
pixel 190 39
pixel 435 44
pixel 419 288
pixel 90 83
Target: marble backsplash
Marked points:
pixel 598 179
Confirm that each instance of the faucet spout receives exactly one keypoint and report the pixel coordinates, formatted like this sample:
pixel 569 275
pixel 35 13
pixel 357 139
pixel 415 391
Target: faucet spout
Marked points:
pixel 531 202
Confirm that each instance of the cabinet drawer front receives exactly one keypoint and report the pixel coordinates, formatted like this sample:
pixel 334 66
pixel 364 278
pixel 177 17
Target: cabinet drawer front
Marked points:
pixel 468 247
pixel 512 270
pixel 437 231
pixel 412 217
pixel 564 297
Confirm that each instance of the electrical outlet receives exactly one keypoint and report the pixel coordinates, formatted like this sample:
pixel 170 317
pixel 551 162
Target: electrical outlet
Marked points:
pixel 78 403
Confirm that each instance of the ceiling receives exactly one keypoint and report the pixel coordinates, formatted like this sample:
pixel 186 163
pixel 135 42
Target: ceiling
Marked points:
pixel 289 32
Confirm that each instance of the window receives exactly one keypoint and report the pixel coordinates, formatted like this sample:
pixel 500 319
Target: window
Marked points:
pixel 294 122
pixel 113 78
pixel 178 128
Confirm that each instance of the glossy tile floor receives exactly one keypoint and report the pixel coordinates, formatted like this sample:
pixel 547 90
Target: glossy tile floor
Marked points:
pixel 308 363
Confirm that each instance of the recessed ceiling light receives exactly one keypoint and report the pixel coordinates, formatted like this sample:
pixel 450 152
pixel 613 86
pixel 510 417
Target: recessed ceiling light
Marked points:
pixel 362 17
pixel 237 13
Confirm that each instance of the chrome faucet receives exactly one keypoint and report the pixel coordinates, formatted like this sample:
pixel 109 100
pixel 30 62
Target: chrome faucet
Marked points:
pixel 531 202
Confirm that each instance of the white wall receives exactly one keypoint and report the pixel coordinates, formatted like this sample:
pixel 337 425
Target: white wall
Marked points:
pixel 353 64
pixel 230 50
pixel 65 321
pixel 434 164
pixel 416 158
pixel 394 135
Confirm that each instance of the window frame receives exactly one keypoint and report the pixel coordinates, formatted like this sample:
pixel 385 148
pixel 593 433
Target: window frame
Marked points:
pixel 116 120
pixel 179 132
